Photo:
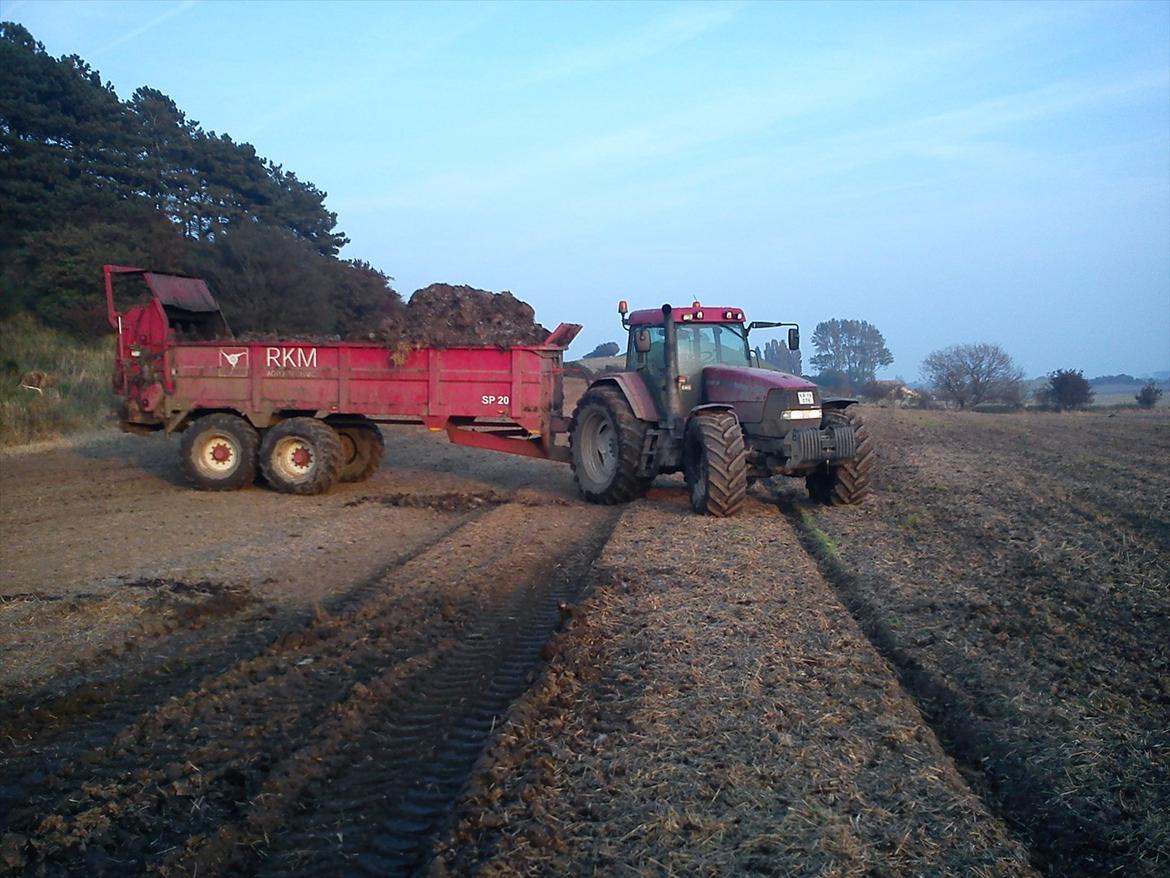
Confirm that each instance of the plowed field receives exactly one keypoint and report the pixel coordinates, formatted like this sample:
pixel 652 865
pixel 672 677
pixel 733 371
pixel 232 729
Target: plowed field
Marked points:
pixel 457 667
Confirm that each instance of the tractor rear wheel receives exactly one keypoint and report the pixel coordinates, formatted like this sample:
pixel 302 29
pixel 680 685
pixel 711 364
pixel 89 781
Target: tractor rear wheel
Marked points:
pixel 362 450
pixel 605 442
pixel 301 456
pixel 218 452
pixel 847 482
pixel 715 464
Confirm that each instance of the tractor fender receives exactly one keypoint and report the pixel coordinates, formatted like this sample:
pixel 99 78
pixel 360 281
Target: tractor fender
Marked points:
pixel 836 402
pixel 712 407
pixel 633 388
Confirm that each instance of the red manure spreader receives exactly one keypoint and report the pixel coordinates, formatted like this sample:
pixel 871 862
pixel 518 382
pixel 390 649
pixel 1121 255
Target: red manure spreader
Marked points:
pixel 692 398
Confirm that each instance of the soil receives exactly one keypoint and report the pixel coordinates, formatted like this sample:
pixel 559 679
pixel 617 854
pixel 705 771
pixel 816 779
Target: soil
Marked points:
pixel 443 316
pixel 1014 571
pixel 457 667
pixel 706 717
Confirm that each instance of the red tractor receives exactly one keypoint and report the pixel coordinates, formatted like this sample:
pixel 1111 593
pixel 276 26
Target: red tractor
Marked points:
pixel 693 397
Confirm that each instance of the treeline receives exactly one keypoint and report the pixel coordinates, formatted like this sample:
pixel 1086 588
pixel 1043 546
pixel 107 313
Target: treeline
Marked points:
pixel 86 178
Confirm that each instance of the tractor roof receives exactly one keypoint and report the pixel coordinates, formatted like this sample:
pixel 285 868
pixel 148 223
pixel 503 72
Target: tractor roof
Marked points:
pixel 695 313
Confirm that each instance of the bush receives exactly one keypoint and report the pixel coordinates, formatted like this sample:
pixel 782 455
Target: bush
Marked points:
pixel 876 391
pixel 1148 396
pixel 609 349
pixel 833 381
pixel 1066 389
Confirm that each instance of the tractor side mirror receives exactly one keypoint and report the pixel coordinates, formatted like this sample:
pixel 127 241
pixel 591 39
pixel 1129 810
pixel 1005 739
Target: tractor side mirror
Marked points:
pixel 642 341
pixel 794 339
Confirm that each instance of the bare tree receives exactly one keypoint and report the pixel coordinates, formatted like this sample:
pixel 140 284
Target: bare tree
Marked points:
pixel 968 374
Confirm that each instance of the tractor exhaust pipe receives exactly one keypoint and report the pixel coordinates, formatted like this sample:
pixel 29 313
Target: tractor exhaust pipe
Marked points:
pixel 673 404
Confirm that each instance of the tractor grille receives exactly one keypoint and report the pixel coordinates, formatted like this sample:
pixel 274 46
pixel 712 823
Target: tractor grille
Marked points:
pixel 780 401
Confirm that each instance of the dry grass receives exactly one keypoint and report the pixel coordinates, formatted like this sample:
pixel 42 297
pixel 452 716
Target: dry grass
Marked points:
pixel 77 394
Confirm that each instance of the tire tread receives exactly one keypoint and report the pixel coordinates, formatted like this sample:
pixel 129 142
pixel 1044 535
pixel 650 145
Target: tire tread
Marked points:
pixel 326 450
pixel 721 438
pixel 627 484
pixel 850 482
pixel 244 433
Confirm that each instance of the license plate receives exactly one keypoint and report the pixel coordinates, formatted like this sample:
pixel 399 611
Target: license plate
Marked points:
pixel 804 397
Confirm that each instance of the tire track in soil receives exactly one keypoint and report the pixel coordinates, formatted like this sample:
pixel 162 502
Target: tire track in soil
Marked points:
pixel 187 771
pixel 1057 840
pixel 41 733
pixel 369 795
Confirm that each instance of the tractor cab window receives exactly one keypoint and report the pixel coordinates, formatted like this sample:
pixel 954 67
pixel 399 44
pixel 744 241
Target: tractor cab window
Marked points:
pixel 699 345
pixel 710 344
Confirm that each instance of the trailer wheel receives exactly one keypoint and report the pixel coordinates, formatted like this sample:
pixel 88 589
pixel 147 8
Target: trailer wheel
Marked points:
pixel 362 450
pixel 848 482
pixel 715 464
pixel 301 456
pixel 218 452
pixel 605 442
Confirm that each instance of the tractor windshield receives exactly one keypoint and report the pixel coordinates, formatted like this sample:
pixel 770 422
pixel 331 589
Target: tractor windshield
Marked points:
pixel 699 345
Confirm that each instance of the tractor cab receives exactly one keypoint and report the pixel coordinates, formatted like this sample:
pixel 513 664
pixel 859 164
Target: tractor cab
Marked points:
pixel 698 337
pixel 713 364
pixel 705 336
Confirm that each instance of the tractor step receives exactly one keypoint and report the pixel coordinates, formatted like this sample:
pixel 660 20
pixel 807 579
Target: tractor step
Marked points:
pixel 648 461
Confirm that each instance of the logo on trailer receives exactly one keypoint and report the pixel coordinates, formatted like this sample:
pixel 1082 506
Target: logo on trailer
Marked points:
pixel 233 359
pixel 290 358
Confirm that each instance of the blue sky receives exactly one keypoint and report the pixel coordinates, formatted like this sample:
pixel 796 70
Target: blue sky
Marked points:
pixel 949 172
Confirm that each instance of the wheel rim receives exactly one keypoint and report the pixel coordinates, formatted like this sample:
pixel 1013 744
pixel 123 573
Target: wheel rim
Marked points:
pixel 294 458
pixel 599 448
pixel 218 455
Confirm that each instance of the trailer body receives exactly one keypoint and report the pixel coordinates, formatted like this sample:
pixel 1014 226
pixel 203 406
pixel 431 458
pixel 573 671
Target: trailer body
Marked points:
pixel 176 362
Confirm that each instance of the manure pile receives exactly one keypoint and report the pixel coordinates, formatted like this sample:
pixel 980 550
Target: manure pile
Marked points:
pixel 443 315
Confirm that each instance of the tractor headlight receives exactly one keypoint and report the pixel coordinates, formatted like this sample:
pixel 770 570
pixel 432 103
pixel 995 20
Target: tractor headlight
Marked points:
pixel 801 414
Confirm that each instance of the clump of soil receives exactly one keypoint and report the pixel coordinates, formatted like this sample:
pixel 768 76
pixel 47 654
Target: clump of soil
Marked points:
pixel 445 501
pixel 443 315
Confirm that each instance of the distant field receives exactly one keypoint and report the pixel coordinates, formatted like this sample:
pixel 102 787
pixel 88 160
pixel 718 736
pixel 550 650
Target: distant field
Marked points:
pixel 1123 394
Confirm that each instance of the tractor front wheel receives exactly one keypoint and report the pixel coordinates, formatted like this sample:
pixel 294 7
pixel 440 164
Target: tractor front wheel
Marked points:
pixel 605 442
pixel 218 452
pixel 848 482
pixel 715 464
pixel 301 456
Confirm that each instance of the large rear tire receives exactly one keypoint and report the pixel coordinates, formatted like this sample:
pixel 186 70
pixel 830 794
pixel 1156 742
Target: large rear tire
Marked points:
pixel 218 452
pixel 848 482
pixel 715 464
pixel 362 450
pixel 605 443
pixel 301 456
